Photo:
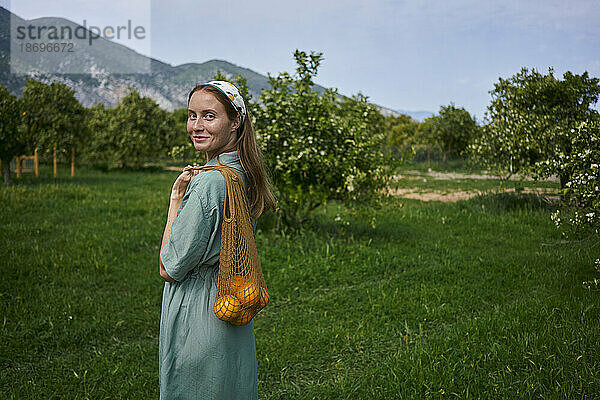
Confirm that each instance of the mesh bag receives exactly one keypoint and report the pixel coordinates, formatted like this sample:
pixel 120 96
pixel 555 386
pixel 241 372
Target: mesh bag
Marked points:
pixel 241 288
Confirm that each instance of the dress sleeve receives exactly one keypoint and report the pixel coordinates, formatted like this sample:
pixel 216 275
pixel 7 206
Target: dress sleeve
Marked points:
pixel 190 235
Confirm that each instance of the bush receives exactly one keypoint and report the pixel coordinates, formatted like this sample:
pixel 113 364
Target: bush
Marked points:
pixel 319 146
pixel 580 214
pixel 134 132
pixel 582 193
pixel 529 120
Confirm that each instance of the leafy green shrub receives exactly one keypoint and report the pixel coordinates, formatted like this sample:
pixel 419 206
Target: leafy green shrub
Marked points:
pixel 13 141
pixel 401 134
pixel 452 130
pixel 530 119
pixel 319 146
pixel 581 209
pixel 134 132
pixel 52 115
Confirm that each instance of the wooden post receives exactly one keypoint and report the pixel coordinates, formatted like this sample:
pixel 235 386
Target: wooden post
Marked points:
pixel 18 166
pixel 36 163
pixel 72 162
pixel 54 161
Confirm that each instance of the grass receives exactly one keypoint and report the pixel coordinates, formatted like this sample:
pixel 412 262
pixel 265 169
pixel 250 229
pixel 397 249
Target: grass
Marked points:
pixel 474 299
pixel 428 183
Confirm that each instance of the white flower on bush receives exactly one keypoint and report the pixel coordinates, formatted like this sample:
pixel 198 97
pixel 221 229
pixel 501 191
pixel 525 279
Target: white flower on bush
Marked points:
pixel 350 183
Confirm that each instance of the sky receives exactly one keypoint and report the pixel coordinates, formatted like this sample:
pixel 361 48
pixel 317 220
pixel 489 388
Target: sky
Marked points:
pixel 414 55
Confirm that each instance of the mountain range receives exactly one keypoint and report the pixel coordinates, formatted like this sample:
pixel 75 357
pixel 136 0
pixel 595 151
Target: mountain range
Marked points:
pixel 168 85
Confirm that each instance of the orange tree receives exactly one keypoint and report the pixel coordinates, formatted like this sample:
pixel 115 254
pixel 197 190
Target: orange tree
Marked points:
pixel 13 140
pixel 319 146
pixel 452 130
pixel 130 134
pixel 401 132
pixel 530 121
pixel 53 115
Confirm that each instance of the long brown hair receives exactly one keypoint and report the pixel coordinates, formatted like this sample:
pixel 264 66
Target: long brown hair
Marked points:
pixel 260 194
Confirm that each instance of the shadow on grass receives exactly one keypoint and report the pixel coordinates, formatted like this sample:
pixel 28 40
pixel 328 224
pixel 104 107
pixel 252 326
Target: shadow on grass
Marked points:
pixel 386 230
pixel 503 202
pixel 98 178
pixel 86 175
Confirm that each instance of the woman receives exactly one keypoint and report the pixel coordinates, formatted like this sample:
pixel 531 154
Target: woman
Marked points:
pixel 200 356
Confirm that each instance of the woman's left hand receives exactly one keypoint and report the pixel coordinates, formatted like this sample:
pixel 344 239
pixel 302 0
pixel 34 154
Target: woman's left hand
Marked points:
pixel 181 183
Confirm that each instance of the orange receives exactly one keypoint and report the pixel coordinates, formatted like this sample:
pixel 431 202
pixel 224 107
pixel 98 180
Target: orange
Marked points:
pixel 234 284
pixel 264 298
pixel 227 307
pixel 248 294
pixel 244 317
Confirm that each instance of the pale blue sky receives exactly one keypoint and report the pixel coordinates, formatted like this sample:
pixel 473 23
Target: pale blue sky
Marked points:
pixel 410 55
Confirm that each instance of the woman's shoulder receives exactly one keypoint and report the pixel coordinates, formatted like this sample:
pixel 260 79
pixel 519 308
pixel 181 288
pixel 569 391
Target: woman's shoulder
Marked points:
pixel 208 187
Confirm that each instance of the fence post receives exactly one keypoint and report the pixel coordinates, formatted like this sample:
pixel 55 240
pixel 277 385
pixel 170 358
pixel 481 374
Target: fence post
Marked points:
pixel 18 159
pixel 35 163
pixel 54 160
pixel 72 162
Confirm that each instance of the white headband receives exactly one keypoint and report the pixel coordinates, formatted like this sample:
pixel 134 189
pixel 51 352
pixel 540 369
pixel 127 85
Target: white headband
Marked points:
pixel 233 94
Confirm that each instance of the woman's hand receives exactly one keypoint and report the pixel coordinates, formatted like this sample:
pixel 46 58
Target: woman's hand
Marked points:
pixel 181 183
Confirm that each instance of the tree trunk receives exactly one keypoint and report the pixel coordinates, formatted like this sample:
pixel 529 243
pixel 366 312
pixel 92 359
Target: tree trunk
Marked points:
pixel 54 160
pixel 6 172
pixel 564 178
pixel 72 162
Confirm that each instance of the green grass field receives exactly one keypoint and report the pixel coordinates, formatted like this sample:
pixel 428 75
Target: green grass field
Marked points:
pixel 476 299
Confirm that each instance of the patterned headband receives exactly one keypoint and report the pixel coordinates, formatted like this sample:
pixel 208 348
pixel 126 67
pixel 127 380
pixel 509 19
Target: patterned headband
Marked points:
pixel 233 94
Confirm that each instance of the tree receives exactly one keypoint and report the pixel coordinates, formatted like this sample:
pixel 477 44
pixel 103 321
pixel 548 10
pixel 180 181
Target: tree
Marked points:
pixel 53 115
pixel 38 114
pixel 13 140
pixel 69 127
pixel 582 206
pixel 529 120
pixel 136 130
pixel 319 146
pixel 580 209
pixel 97 150
pixel 182 147
pixel 401 134
pixel 453 129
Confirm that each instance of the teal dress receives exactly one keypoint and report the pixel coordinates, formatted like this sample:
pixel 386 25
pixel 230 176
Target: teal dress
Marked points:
pixel 200 356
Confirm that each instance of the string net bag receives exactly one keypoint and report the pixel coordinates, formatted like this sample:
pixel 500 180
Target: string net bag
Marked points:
pixel 241 288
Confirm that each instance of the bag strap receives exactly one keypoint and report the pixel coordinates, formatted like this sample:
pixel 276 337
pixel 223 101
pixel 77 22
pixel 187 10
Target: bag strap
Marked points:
pixel 233 192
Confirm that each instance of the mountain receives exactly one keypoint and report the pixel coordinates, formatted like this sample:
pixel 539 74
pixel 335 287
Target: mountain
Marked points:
pixel 418 116
pixel 168 85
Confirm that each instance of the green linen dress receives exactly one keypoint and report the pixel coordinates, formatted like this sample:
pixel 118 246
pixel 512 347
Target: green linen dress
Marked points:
pixel 200 356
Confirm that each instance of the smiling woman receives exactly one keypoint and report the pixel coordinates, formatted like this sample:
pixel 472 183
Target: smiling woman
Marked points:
pixel 210 128
pixel 201 356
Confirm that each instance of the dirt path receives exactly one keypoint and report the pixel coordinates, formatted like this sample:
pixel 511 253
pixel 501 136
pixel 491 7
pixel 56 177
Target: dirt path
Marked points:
pixel 410 174
pixel 454 196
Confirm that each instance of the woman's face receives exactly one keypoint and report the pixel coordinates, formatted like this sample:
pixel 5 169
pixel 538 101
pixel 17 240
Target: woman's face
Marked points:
pixel 209 126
